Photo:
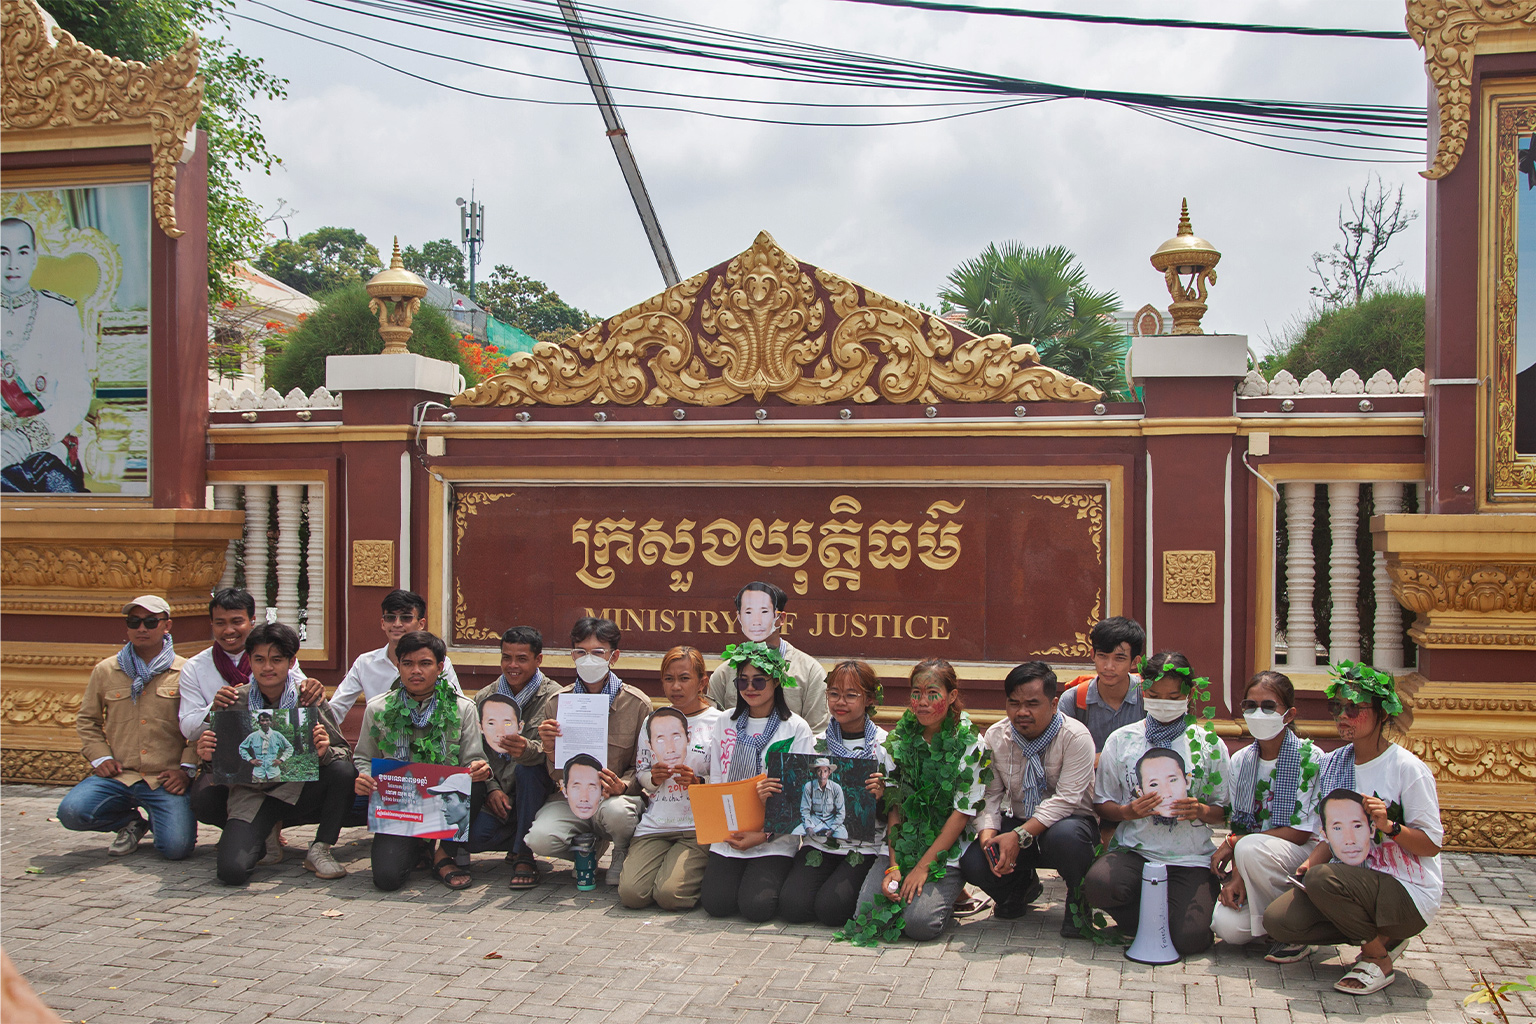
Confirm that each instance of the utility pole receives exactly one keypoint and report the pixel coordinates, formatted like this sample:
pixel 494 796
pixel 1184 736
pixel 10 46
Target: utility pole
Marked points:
pixel 472 230
pixel 620 140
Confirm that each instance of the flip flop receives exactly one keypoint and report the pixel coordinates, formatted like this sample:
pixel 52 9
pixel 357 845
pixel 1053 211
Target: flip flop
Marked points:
pixel 1369 977
pixel 451 875
pixel 525 873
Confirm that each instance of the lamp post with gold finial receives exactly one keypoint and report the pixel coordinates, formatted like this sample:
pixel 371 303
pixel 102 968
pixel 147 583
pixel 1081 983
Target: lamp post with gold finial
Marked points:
pixel 396 295
pixel 1188 263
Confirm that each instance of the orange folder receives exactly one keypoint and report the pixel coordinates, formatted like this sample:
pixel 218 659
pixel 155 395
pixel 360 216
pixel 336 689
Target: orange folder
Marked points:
pixel 720 808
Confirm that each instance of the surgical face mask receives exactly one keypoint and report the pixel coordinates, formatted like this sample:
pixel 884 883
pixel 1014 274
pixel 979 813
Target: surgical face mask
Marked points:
pixel 1265 725
pixel 1166 711
pixel 593 668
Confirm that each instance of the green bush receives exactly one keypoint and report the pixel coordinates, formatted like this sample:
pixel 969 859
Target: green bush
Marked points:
pixel 343 326
pixel 1384 331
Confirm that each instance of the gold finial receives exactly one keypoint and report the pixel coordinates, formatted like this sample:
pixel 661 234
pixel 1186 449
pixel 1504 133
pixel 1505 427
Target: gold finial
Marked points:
pixel 403 292
pixel 1188 264
pixel 1184 226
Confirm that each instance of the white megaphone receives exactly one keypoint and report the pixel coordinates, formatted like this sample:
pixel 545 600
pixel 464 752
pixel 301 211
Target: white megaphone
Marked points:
pixel 1153 944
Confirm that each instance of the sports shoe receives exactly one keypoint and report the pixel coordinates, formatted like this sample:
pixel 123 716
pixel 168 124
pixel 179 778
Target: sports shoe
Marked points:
pixel 1019 905
pixel 1288 952
pixel 127 839
pixel 274 853
pixel 616 865
pixel 320 860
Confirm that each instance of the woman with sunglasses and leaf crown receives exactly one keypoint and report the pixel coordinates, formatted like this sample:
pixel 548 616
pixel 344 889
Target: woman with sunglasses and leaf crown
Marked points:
pixel 1274 819
pixel 1392 897
pixel 745 873
pixel 941 770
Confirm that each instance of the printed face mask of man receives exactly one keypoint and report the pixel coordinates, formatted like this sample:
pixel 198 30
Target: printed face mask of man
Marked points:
pixel 757 617
pixel 1164 776
pixel 669 740
pixel 1348 831
pixel 583 790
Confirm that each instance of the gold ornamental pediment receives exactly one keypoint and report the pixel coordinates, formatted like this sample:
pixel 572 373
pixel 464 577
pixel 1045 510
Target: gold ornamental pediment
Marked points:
pixel 61 94
pixel 765 324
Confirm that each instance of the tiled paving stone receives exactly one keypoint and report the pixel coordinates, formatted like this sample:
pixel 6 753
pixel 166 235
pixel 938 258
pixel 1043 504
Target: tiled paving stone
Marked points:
pixel 139 940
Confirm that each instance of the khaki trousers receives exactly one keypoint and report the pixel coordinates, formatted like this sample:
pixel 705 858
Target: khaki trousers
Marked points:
pixel 1343 904
pixel 665 869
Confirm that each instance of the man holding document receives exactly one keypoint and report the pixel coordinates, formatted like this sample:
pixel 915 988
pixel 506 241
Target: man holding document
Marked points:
pixel 599 716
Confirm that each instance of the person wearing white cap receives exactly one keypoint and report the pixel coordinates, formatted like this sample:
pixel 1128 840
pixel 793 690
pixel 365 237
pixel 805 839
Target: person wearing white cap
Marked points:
pixel 823 807
pixel 131 735
pixel 453 797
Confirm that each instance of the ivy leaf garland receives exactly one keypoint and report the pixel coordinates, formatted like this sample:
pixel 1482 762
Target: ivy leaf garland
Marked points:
pixel 930 781
pixel 436 743
pixel 1201 712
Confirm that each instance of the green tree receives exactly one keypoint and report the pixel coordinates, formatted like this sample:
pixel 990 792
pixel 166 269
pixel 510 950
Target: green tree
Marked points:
pixel 440 261
pixel 147 30
pixel 1041 297
pixel 322 260
pixel 344 326
pixel 530 305
pixel 1386 331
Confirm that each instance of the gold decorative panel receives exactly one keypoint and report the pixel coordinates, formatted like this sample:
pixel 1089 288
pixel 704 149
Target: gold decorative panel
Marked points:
pixel 373 563
pixel 762 324
pixel 62 94
pixel 1189 577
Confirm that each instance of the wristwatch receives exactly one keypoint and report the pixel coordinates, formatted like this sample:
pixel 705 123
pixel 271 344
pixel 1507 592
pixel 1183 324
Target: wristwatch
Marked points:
pixel 1395 830
pixel 1026 838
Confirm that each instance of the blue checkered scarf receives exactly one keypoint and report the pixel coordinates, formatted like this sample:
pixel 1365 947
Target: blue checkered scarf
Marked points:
pixel 288 701
pixel 134 667
pixel 1338 771
pixel 1282 788
pixel 747 755
pixel 836 746
pixel 525 698
pixel 1033 790
pixel 611 686
pixel 1164 734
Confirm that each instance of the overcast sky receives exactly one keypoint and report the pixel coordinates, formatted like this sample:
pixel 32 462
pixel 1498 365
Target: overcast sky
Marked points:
pixel 894 208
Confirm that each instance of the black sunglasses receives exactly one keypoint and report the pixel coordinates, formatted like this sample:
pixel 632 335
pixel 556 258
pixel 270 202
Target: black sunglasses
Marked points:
pixel 1253 705
pixel 402 617
pixel 755 683
pixel 1339 709
pixel 148 621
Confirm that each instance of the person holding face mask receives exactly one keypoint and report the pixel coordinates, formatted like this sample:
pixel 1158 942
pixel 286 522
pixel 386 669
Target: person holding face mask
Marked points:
pixel 1145 831
pixel 595 650
pixel 665 865
pixel 746 873
pixel 1275 793
pixel 760 614
pixel 1395 894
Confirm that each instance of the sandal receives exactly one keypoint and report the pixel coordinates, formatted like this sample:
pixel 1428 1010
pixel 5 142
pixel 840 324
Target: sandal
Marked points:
pixel 451 875
pixel 1368 977
pixel 525 873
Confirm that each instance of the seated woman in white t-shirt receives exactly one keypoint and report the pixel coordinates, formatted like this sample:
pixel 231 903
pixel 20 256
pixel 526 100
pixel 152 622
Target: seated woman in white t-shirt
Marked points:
pixel 1275 790
pixel 1394 895
pixel 746 873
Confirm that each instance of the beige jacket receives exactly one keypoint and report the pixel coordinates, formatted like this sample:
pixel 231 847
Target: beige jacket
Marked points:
pixel 1068 763
pixel 626 717
pixel 144 736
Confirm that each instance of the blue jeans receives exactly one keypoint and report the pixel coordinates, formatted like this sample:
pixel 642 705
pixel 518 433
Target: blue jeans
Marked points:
pixel 488 832
pixel 107 805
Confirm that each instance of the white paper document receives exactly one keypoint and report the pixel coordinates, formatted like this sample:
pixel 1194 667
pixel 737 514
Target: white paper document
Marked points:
pixel 583 719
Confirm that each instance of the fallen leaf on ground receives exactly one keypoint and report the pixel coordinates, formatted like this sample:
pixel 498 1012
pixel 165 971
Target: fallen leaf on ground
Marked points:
pixel 34 871
pixel 491 956
pixel 330 913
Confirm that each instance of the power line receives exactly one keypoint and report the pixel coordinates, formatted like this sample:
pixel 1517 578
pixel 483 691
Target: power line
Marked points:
pixel 1115 19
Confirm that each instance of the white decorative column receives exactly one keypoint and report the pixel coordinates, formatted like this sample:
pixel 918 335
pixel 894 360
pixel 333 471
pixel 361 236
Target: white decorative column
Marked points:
pixel 1344 571
pixel 227 496
pixel 1387 629
pixel 258 504
pixel 1300 629
pixel 314 608
pixel 289 517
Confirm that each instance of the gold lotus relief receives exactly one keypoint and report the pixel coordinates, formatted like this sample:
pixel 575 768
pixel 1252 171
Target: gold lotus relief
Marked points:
pixel 39 707
pixel 185 567
pixel 762 328
pixel 48 766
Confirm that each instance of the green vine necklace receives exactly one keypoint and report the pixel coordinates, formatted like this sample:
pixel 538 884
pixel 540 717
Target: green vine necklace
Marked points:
pixel 438 743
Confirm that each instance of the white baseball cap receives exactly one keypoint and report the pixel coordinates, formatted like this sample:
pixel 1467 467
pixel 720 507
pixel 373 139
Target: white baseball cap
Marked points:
pixel 456 783
pixel 150 603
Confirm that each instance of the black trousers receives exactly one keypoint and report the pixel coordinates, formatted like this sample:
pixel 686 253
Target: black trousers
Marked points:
pixel 324 802
pixel 1066 847
pixel 748 886
pixel 209 800
pixel 1113 885
pixel 828 892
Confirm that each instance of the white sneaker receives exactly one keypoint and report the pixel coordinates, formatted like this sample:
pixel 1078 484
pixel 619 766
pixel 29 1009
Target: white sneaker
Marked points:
pixel 127 839
pixel 321 861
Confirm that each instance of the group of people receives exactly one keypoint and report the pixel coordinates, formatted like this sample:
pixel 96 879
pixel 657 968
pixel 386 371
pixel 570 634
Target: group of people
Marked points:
pixel 1094 779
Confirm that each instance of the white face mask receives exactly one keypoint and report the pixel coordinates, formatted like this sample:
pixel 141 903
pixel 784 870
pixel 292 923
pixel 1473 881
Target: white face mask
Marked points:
pixel 1166 711
pixel 1265 725
pixel 592 668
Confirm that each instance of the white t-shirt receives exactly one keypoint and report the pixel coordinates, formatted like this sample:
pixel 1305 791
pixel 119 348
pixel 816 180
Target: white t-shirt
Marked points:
pixel 372 674
pixel 1306 801
pixel 1180 843
pixel 802 741
pixel 668 809
pixel 201 682
pixel 856 745
pixel 1406 785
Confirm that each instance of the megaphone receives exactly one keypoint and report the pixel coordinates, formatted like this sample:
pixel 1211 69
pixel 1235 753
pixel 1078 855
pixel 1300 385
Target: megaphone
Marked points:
pixel 1153 944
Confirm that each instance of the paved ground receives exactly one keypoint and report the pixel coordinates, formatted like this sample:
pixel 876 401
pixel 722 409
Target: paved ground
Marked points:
pixel 141 940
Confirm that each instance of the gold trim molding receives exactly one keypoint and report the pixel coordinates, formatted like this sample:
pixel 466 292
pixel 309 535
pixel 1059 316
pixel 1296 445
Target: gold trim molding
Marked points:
pixel 1490 831
pixel 60 767
pixel 1447 31
pixel 87 99
pixel 1509 114
pixel 763 323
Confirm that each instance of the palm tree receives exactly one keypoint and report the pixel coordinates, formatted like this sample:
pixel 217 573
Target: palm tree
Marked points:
pixel 1041 297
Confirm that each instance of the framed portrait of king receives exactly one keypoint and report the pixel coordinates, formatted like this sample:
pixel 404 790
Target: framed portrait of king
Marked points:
pixel 75 359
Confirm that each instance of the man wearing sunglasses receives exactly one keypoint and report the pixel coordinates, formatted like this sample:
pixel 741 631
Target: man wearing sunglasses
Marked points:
pixel 131 734
pixel 377 671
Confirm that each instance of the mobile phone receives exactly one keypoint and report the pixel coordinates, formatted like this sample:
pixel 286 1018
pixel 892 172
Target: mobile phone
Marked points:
pixel 992 852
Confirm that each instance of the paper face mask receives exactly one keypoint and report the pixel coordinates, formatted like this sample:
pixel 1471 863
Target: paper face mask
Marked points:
pixel 583 789
pixel 756 616
pixel 1162 772
pixel 1348 831
pixel 669 740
